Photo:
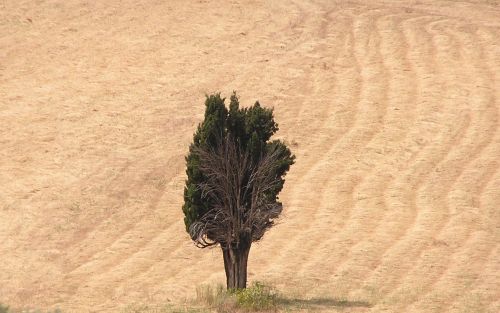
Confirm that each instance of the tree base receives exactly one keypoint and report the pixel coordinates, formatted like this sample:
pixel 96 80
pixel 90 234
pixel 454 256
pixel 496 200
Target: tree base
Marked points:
pixel 235 265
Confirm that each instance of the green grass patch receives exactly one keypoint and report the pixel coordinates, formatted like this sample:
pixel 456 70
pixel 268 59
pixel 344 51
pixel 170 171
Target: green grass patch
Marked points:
pixel 256 298
pixel 260 297
pixel 4 308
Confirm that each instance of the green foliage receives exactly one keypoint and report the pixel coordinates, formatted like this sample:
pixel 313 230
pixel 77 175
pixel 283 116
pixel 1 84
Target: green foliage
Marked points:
pixel 256 297
pixel 7 309
pixel 212 127
pixel 251 128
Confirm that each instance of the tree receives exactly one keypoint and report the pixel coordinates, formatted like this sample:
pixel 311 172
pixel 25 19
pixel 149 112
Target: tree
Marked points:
pixel 234 175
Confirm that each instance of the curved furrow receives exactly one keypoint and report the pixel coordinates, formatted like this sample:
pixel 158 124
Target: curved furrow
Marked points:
pixel 489 279
pixel 468 281
pixel 345 185
pixel 479 288
pixel 488 61
pixel 482 288
pixel 140 187
pixel 462 270
pixel 431 220
pixel 395 219
pixel 371 199
pixel 421 153
pixel 87 235
pixel 485 123
pixel 134 236
pixel 86 278
pixel 492 52
pixel 146 269
pixel 364 253
pixel 63 262
pixel 124 250
pixel 170 279
pixel 135 268
pixel 294 81
pixel 128 248
pixel 454 259
pixel 425 221
pixel 70 212
pixel 371 113
pixel 159 247
pixel 300 198
pixel 153 260
pixel 73 187
pixel 318 125
pixel 295 31
pixel 392 109
pixel 357 268
pixel 115 188
pixel 435 219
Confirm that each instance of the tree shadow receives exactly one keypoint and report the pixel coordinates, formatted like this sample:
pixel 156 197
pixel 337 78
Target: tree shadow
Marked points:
pixel 322 303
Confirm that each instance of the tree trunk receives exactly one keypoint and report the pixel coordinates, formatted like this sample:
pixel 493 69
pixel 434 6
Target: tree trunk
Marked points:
pixel 235 265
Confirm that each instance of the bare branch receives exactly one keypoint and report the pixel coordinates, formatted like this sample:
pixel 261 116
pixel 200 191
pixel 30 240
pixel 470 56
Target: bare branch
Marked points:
pixel 238 186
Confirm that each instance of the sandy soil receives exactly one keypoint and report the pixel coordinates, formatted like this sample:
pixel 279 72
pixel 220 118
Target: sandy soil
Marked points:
pixel 391 108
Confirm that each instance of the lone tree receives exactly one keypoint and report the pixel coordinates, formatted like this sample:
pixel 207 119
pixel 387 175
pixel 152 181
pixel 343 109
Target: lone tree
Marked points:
pixel 234 175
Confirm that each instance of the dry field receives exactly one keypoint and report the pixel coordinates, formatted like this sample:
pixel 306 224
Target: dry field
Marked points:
pixel 392 108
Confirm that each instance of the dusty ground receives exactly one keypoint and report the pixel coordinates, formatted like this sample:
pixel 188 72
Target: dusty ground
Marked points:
pixel 392 109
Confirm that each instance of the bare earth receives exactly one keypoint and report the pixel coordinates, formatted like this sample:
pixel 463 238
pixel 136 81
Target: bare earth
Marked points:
pixel 392 109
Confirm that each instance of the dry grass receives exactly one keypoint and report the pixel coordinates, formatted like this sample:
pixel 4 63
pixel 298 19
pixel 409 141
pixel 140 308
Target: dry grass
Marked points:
pixel 163 309
pixel 392 108
pixel 258 297
pixel 261 297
